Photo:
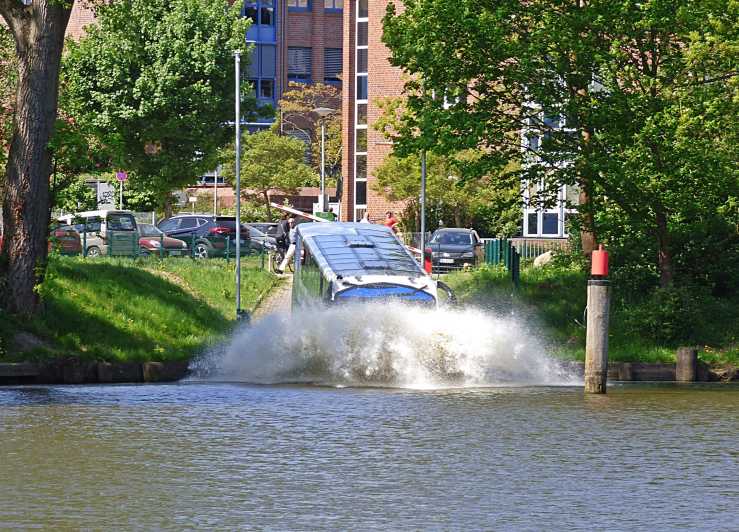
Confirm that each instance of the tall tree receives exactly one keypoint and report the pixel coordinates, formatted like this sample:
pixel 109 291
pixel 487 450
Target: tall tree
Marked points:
pixel 449 197
pixel 38 31
pixel 154 79
pixel 269 163
pixel 8 78
pixel 297 115
pixel 626 99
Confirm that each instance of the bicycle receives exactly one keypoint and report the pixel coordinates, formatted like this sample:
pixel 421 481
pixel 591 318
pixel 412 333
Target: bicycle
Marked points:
pixel 277 255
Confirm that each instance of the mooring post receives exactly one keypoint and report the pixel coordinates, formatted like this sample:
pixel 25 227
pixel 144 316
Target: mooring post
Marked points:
pixel 596 339
pixel 686 364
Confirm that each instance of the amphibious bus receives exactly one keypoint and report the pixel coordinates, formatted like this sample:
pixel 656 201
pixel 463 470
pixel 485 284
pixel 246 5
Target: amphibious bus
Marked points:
pixel 356 262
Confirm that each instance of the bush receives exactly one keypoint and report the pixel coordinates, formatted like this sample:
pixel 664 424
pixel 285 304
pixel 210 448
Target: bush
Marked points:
pixel 675 315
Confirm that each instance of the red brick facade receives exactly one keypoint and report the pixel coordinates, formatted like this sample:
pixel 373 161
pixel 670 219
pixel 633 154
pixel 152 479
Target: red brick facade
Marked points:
pixel 82 15
pixel 383 81
pixel 316 29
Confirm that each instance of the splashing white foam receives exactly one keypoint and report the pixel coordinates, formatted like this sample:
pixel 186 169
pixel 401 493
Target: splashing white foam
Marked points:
pixel 385 345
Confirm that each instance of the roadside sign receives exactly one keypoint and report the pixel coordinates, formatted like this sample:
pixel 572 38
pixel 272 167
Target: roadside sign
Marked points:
pixel 121 176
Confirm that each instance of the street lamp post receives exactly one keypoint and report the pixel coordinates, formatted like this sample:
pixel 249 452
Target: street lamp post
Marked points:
pixel 423 201
pixel 323 112
pixel 237 58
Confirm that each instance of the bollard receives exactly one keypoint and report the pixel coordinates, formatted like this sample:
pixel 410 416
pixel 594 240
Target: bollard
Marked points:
pixel 686 364
pixel 596 339
pixel 596 336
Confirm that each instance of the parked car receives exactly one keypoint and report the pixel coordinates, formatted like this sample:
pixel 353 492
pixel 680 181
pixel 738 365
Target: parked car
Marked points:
pixel 64 239
pixel 259 239
pixel 453 248
pixel 268 228
pixel 105 232
pixel 153 242
pixel 209 236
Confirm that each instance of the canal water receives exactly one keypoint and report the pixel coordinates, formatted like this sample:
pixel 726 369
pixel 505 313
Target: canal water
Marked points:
pixel 229 456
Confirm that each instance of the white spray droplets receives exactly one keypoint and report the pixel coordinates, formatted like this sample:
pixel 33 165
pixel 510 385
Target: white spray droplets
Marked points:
pixel 386 344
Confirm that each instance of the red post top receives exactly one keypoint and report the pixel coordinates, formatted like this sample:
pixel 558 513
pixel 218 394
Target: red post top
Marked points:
pixel 599 264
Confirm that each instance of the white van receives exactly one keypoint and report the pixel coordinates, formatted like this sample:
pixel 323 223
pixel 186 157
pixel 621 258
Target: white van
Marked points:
pixel 105 232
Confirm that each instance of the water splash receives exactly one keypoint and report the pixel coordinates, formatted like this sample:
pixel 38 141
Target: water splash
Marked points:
pixel 391 345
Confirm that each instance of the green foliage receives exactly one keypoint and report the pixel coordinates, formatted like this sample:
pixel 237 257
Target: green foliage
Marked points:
pixel 153 81
pixel 76 196
pixel 8 79
pixel 251 211
pixel 451 198
pixel 269 162
pixel 296 115
pixel 645 327
pixel 648 89
pixel 139 310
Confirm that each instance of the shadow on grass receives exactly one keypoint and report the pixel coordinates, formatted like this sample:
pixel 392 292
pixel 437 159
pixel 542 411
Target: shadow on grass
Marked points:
pixel 118 312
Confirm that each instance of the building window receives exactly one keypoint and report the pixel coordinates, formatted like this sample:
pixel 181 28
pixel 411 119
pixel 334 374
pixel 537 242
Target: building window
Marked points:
pixel 267 89
pixel 298 5
pixel 332 65
pixel 333 5
pixel 362 88
pixel 361 197
pixel 360 126
pixel 299 64
pixel 261 12
pixel 361 114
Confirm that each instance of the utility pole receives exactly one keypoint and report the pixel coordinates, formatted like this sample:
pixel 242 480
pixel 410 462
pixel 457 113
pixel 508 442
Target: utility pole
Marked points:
pixel 215 193
pixel 423 201
pixel 237 57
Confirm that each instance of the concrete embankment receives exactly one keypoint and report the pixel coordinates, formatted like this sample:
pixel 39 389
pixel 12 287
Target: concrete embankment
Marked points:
pixel 644 372
pixel 75 371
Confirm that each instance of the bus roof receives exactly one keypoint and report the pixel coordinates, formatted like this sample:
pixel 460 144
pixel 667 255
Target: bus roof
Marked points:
pixel 357 249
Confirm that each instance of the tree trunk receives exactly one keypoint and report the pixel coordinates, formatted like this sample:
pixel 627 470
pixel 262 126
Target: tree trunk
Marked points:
pixel 39 36
pixel 266 202
pixel 664 256
pixel 168 211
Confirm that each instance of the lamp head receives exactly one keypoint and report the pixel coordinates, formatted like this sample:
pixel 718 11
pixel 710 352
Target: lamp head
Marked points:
pixel 323 112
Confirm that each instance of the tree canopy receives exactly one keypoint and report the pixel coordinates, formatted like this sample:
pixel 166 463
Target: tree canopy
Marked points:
pixel 8 77
pixel 297 115
pixel 634 102
pixel 154 81
pixel 269 163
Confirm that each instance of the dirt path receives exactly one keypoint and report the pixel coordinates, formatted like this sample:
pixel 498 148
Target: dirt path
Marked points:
pixel 278 300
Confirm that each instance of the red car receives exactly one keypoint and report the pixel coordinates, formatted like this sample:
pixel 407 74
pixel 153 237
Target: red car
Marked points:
pixel 63 239
pixel 153 242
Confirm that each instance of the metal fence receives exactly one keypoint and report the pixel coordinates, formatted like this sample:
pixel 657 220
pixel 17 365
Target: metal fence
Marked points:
pixel 132 244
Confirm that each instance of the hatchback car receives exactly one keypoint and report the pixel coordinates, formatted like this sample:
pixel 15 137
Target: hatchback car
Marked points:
pixel 259 239
pixel 453 248
pixel 209 236
pixel 65 240
pixel 153 242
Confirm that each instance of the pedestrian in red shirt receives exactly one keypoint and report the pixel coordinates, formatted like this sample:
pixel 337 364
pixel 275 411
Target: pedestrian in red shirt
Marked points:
pixel 391 221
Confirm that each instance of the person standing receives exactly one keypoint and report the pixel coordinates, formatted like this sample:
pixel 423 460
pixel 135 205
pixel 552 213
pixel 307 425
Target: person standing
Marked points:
pixel 283 233
pixel 391 221
pixel 291 248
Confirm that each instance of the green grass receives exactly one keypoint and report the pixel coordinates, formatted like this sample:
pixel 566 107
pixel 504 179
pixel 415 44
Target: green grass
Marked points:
pixel 137 310
pixel 555 297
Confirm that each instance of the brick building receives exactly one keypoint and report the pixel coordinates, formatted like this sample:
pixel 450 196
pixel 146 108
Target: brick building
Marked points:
pixel 368 76
pixel 295 40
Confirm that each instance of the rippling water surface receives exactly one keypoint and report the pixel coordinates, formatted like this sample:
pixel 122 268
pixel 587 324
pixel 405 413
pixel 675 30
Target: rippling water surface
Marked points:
pixel 231 456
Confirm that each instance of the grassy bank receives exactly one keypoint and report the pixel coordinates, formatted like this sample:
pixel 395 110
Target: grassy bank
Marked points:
pixel 553 299
pixel 134 310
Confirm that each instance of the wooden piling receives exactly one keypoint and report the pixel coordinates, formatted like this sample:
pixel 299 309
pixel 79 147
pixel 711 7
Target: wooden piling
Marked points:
pixel 686 364
pixel 596 340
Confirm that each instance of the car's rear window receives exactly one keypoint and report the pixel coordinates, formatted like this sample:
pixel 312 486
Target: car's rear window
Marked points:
pixel 121 222
pixel 451 238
